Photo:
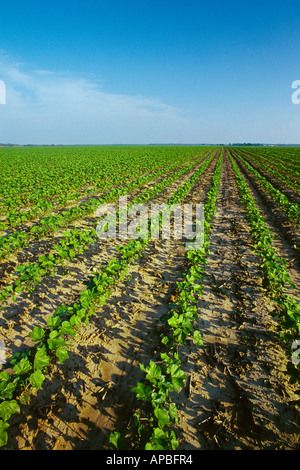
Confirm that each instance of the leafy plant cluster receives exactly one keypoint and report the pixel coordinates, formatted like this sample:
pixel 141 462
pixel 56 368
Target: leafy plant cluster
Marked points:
pixel 291 209
pixel 52 223
pixel 52 341
pixel 155 432
pixel 152 192
pixel 107 179
pixel 28 174
pixel 272 168
pixel 73 243
pixel 28 190
pixel 286 159
pixel 275 274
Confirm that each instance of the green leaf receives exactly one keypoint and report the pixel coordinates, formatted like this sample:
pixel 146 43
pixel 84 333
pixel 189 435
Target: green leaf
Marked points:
pixel 37 378
pixel 114 438
pixel 159 398
pixel 165 340
pixel 66 328
pixel 173 441
pixel 136 420
pixel 174 320
pixel 153 371
pixel 3 433
pixel 150 446
pixel 18 289
pixel 160 434
pixel 173 412
pixel 178 376
pixel 25 399
pixel 22 367
pixel 8 408
pixel 143 392
pixel 7 389
pixel 163 417
pixel 75 320
pixel 53 321
pixel 37 334
pixel 62 354
pixel 41 359
pixel 4 377
pixel 197 338
pixel 160 439
pixel 55 340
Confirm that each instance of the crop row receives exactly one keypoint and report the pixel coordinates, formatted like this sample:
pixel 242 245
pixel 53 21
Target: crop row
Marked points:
pixel 28 177
pixel 51 223
pixel 154 429
pixel 75 242
pixel 288 160
pixel 272 169
pixel 292 210
pixel 52 342
pixel 276 278
pixel 28 174
pixel 106 179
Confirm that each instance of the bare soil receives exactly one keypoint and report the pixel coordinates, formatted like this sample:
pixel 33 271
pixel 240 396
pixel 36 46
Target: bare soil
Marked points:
pixel 238 393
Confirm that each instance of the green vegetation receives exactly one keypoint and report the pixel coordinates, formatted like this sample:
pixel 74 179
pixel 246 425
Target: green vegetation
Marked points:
pixel 48 199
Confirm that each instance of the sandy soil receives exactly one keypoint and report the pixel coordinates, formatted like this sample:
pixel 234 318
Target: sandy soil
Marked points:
pixel 238 393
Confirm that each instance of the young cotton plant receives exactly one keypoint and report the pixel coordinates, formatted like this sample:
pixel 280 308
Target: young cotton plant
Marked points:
pixel 156 431
pixel 52 342
pixel 291 209
pixel 275 275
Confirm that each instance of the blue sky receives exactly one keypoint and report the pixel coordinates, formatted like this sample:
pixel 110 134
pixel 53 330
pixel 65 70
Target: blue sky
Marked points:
pixel 101 72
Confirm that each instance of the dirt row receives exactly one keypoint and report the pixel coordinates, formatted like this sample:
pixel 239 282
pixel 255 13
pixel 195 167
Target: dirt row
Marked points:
pixel 289 192
pixel 38 247
pixel 18 318
pixel 286 236
pixel 238 394
pixel 290 166
pixel 81 196
pixel 62 289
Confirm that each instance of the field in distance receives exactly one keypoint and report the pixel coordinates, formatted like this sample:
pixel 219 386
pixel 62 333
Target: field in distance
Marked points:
pixel 138 342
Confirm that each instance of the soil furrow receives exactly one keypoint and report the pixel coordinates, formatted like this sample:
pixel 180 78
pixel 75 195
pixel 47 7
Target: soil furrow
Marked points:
pixel 105 355
pixel 239 392
pixel 289 192
pixel 286 235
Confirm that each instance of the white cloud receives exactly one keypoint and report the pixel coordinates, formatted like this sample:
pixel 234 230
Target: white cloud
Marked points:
pixel 47 107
